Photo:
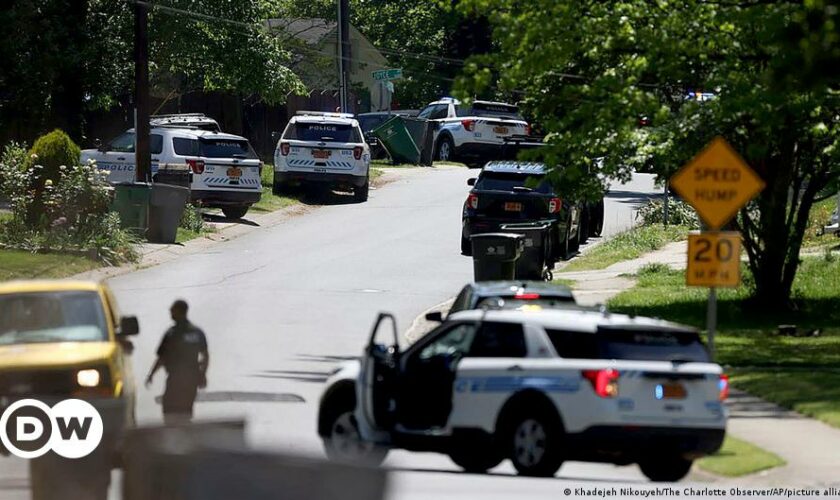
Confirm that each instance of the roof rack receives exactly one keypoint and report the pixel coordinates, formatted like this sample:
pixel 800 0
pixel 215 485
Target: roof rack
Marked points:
pixel 181 115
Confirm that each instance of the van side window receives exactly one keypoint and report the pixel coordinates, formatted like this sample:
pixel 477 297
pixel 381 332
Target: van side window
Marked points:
pixel 574 345
pixel 186 147
pixel 499 340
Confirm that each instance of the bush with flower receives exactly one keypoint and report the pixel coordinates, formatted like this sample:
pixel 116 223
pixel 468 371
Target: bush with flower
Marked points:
pixel 65 211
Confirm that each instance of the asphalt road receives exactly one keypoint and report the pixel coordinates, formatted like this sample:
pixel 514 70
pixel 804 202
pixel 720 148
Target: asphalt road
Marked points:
pixel 282 306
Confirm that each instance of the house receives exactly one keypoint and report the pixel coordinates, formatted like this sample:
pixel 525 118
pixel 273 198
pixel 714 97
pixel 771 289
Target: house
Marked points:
pixel 315 45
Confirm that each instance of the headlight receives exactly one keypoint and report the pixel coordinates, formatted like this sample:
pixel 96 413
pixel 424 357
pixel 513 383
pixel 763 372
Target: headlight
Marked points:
pixel 88 378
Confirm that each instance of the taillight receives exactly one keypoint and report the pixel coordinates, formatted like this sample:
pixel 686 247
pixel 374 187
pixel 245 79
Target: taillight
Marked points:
pixel 472 201
pixel 527 296
pixel 555 205
pixel 357 152
pixel 605 382
pixel 527 129
pixel 284 148
pixel 723 387
pixel 469 125
pixel 197 166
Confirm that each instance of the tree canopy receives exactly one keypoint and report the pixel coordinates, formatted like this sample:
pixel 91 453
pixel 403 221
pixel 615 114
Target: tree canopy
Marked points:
pixel 589 71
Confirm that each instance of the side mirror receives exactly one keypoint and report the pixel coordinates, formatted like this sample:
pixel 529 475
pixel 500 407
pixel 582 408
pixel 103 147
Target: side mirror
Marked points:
pixel 129 326
pixel 97 143
pixel 471 181
pixel 435 316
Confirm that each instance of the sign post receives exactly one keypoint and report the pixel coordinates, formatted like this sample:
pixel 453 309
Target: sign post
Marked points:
pixel 717 183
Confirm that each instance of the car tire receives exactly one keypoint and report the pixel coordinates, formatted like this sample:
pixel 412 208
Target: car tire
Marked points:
pixel 476 459
pixel 342 442
pixel 236 212
pixel 535 442
pixel 667 469
pixel 360 193
pixel 583 229
pixel 278 188
pixel 596 219
pixel 445 150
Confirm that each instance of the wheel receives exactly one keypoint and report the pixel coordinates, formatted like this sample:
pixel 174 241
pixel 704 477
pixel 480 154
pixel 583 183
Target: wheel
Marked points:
pixel 583 230
pixel 278 188
pixel 445 149
pixel 477 460
pixel 534 442
pixel 466 246
pixel 667 469
pixel 360 193
pixel 236 212
pixel 596 219
pixel 342 441
pixel 574 245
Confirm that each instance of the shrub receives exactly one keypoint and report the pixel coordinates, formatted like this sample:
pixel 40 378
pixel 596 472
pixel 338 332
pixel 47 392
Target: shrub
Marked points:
pixel 51 151
pixel 680 213
pixel 192 219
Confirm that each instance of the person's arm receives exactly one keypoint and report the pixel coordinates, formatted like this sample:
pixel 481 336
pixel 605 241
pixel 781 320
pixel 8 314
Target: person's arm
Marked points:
pixel 203 361
pixel 155 368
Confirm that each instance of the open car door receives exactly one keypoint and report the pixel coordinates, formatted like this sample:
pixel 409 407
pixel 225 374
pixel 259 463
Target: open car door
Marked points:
pixel 377 390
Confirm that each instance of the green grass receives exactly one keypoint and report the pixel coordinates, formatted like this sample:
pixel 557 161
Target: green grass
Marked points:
pixel 270 202
pixel 16 264
pixel 738 458
pixel 388 164
pixel 801 373
pixel 819 217
pixel 626 246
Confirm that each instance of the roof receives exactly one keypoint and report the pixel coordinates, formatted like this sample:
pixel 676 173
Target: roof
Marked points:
pixel 48 286
pixel 516 167
pixel 491 288
pixel 182 119
pixel 330 119
pixel 309 30
pixel 571 319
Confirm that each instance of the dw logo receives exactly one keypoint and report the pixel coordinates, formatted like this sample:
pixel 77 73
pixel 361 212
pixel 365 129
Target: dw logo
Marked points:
pixel 30 428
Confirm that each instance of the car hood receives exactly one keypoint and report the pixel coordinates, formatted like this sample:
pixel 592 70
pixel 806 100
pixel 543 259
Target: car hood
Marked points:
pixel 54 355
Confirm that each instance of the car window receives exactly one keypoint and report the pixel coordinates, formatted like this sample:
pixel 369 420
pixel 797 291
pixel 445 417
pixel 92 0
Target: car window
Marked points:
pixel 629 344
pixel 427 112
pixel 440 111
pixel 503 181
pixel 572 344
pixel 28 318
pixel 226 148
pixel 455 341
pixel 186 147
pixel 499 340
pixel 322 132
pixel 369 123
pixel 462 301
pixel 125 143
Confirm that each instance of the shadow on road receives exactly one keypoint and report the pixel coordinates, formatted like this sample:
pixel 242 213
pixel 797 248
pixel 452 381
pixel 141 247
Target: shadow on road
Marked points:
pixel 301 376
pixel 221 219
pixel 243 397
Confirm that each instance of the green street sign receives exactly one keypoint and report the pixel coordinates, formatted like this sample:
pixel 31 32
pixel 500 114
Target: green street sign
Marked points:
pixel 387 74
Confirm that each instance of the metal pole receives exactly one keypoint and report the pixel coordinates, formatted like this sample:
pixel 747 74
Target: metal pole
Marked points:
pixel 142 154
pixel 665 206
pixel 344 52
pixel 711 320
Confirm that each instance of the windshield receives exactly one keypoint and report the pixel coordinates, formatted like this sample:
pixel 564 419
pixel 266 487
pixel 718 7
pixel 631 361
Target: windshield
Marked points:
pixel 29 318
pixel 502 181
pixel 322 132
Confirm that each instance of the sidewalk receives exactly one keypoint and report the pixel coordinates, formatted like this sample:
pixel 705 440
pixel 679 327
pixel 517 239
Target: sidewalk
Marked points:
pixel 810 448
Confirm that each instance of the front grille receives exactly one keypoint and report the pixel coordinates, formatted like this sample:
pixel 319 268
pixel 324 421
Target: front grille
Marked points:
pixel 40 383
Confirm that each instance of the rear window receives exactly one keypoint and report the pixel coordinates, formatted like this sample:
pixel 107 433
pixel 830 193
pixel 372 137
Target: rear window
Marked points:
pixel 322 132
pixel 638 345
pixel 368 123
pixel 499 340
pixel 226 148
pixel 501 181
pixel 507 111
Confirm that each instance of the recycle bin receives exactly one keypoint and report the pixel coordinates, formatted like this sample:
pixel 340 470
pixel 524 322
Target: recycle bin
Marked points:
pixel 396 139
pixel 532 263
pixel 131 202
pixel 166 206
pixel 495 255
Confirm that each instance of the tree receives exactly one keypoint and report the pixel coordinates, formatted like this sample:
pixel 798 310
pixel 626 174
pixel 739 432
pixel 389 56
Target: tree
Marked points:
pixel 591 69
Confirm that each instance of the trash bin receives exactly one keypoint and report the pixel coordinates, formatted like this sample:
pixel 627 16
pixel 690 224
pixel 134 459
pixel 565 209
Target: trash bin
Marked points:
pixel 397 140
pixel 422 132
pixel 174 174
pixel 495 255
pixel 166 206
pixel 531 265
pixel 131 202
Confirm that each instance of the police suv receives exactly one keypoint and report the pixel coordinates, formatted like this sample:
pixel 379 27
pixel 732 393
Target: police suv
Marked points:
pixel 223 171
pixel 476 133
pixel 535 386
pixel 326 149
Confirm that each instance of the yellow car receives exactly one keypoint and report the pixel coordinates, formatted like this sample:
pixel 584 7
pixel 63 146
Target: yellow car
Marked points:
pixel 66 339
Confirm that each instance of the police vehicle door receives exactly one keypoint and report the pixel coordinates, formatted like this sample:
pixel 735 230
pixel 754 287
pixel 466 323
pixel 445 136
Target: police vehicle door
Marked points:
pixel 378 377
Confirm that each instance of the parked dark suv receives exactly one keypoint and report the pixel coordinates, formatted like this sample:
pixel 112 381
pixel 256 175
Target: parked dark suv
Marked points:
pixel 508 192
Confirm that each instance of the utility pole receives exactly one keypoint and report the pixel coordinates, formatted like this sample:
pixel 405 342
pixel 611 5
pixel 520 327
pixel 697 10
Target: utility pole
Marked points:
pixel 344 53
pixel 142 153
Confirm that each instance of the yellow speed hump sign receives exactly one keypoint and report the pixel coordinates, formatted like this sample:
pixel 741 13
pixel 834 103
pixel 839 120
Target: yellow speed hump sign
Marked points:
pixel 717 183
pixel 714 260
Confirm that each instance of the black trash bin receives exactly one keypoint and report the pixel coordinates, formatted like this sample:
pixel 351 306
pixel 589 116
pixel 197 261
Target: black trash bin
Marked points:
pixel 495 255
pixel 166 207
pixel 531 265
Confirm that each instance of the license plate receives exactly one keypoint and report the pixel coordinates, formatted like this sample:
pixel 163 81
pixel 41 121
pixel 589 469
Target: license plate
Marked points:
pixel 321 153
pixel 670 391
pixel 500 130
pixel 234 173
pixel 512 206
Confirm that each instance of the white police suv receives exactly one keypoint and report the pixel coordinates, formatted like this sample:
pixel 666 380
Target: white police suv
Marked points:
pixel 326 149
pixel 474 134
pixel 535 386
pixel 222 170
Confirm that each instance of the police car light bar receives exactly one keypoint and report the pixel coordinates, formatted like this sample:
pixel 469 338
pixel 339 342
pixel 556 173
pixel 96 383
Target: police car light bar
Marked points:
pixel 325 113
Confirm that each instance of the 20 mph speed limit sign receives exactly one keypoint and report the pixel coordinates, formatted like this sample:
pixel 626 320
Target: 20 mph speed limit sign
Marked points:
pixel 714 259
